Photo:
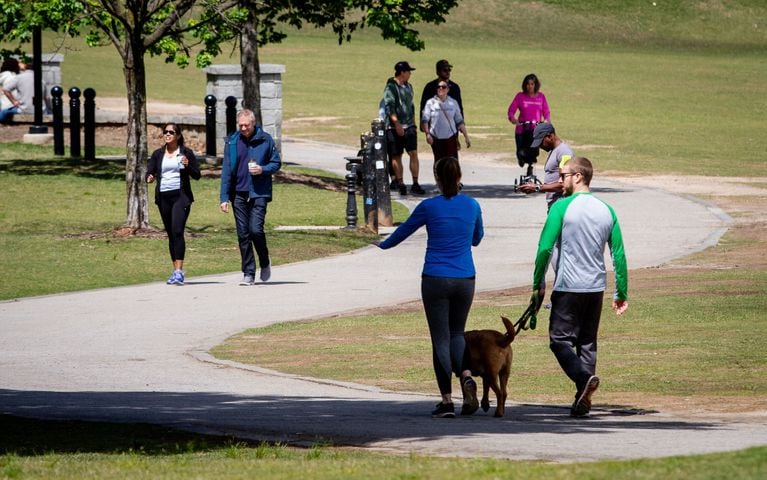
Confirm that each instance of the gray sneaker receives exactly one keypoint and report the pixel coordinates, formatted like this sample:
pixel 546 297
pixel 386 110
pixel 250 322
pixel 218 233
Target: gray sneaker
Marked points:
pixel 247 280
pixel 266 273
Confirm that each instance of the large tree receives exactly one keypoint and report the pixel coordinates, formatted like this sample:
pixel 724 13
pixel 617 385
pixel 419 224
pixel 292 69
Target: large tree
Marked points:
pixel 135 28
pixel 256 23
pixel 175 28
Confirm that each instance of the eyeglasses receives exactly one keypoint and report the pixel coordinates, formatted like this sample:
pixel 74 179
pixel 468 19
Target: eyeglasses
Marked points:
pixel 567 174
pixel 168 132
pixel 441 86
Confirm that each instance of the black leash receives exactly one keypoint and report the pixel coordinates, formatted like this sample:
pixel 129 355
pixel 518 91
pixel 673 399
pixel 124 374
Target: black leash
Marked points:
pixel 530 316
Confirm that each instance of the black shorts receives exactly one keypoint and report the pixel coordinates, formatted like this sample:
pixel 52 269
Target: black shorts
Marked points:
pixel 395 144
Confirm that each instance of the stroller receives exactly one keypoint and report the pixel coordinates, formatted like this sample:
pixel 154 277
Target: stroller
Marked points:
pixel 527 155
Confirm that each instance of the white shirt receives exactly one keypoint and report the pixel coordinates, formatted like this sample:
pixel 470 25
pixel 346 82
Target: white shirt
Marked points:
pixel 443 118
pixel 170 171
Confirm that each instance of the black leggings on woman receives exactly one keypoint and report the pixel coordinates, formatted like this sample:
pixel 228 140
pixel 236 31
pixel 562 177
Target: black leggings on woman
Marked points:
pixel 447 302
pixel 174 209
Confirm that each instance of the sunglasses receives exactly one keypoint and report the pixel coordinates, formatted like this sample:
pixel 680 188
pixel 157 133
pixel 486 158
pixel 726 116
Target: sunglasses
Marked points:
pixel 441 86
pixel 168 132
pixel 564 175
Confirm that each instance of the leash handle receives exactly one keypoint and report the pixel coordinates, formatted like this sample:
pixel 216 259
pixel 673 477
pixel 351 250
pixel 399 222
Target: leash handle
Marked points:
pixel 529 314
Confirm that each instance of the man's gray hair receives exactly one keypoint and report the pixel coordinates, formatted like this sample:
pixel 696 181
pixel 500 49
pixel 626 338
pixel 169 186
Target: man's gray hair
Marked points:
pixel 247 113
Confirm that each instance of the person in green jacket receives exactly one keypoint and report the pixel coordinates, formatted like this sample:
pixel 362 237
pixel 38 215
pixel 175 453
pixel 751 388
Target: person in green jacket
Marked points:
pixel 579 225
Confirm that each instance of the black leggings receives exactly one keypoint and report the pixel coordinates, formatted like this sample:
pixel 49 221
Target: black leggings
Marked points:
pixel 174 209
pixel 447 302
pixel 525 153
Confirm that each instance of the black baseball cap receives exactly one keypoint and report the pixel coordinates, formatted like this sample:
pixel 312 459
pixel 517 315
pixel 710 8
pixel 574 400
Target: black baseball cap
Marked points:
pixel 541 130
pixel 403 66
pixel 443 64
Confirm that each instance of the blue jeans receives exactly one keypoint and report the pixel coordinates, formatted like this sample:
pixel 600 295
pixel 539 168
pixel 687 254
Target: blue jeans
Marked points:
pixel 446 302
pixel 249 217
pixel 7 115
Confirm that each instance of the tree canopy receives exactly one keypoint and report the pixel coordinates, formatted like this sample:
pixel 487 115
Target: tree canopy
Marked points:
pixel 182 30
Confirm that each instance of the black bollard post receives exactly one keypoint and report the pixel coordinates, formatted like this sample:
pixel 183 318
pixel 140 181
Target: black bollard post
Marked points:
pixel 89 127
pixel 383 198
pixel 351 186
pixel 210 126
pixel 231 115
pixel 74 122
pixel 58 120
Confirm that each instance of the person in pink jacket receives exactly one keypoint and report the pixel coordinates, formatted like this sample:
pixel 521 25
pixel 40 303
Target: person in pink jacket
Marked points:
pixel 533 109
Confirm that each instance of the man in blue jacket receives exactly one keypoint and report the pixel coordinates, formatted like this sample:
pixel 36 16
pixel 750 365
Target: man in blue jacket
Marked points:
pixel 250 160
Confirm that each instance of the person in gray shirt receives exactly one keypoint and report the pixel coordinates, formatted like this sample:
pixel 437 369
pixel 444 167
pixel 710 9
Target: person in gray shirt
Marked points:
pixel 22 100
pixel 580 225
pixel 560 153
pixel 441 120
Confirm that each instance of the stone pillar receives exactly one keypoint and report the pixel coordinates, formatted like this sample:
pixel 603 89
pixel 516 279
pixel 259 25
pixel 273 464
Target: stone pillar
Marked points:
pixel 226 80
pixel 51 63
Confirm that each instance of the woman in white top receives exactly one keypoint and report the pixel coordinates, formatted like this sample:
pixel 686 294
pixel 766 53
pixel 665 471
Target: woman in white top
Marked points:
pixel 441 120
pixel 172 166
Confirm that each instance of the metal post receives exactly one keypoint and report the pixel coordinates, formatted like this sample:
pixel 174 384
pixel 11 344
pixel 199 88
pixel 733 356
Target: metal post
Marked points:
pixel 89 126
pixel 37 101
pixel 231 114
pixel 58 120
pixel 369 182
pixel 383 199
pixel 351 184
pixel 210 126
pixel 74 122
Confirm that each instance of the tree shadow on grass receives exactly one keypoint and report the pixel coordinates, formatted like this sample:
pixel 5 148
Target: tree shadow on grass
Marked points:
pixel 30 437
pixel 100 168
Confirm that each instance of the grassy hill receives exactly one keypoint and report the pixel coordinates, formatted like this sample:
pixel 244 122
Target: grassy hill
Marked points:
pixel 713 25
pixel 673 87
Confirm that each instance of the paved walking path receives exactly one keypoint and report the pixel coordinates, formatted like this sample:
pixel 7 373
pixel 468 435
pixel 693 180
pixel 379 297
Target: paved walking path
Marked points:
pixel 139 353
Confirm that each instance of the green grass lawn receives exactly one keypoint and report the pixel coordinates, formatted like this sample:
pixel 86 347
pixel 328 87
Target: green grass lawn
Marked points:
pixel 672 88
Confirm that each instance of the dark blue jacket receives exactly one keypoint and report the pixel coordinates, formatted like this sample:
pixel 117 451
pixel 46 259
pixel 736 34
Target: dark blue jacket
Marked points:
pixel 261 146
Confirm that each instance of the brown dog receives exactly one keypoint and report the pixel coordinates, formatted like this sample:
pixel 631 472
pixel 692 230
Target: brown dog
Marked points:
pixel 488 354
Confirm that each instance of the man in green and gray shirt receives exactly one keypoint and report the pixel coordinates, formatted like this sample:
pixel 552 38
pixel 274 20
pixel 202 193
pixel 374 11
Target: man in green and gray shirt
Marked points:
pixel 579 225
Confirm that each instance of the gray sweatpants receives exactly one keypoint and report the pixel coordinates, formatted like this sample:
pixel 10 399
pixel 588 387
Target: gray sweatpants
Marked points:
pixel 573 328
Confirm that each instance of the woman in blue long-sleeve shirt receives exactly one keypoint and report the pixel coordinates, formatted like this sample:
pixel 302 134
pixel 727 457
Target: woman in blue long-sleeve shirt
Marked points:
pixel 453 224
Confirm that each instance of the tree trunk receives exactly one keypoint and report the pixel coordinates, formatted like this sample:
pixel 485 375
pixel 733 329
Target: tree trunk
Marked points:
pixel 251 70
pixel 136 147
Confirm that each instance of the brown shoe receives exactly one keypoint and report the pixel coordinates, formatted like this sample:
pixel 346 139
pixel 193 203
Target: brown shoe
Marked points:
pixel 470 402
pixel 582 405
